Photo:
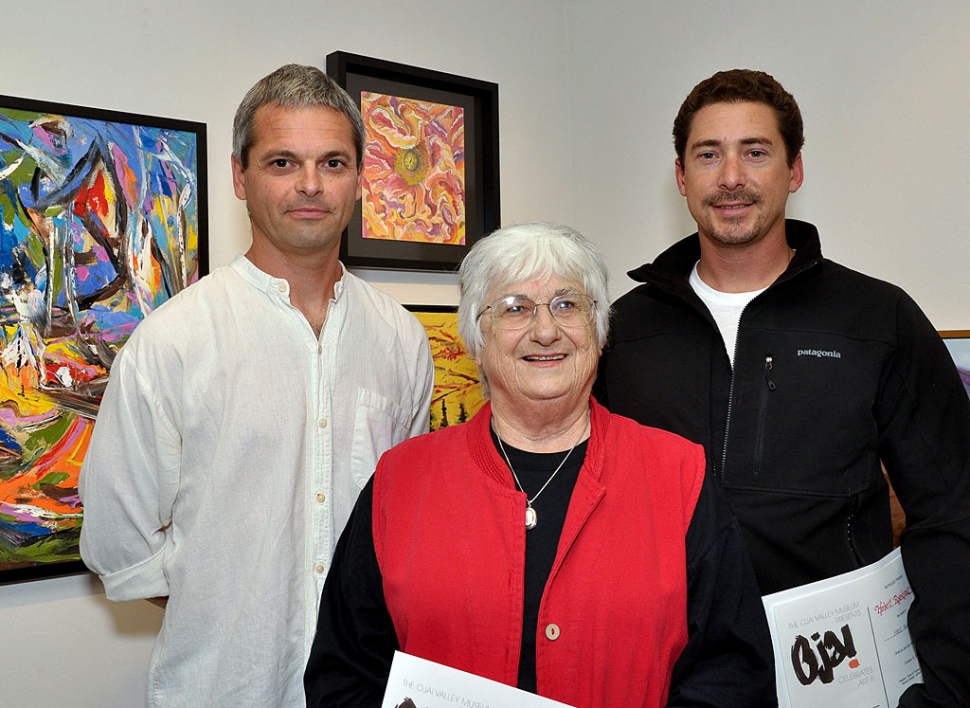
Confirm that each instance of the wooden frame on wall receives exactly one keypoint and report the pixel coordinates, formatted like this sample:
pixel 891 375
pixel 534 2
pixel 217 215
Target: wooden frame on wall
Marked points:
pixel 957 342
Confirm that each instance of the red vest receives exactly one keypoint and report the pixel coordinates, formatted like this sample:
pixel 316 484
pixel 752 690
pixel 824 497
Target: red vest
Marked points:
pixel 449 535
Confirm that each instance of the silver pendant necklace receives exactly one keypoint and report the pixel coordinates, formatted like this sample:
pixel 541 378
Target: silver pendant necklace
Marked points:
pixel 531 518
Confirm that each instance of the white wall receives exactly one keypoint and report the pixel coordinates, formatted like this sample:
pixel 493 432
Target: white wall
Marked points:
pixel 588 90
pixel 64 644
pixel 884 89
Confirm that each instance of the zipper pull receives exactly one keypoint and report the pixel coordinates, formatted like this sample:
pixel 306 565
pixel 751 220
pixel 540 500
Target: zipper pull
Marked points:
pixel 771 384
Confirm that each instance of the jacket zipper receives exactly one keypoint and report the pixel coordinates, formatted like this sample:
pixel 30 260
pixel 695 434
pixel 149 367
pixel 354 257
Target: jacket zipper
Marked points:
pixel 727 420
pixel 730 408
pixel 763 417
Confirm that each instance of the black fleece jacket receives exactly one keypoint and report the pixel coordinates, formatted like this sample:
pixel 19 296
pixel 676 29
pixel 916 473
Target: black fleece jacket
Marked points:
pixel 834 372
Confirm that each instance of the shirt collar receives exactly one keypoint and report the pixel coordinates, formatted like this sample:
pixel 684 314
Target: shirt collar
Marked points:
pixel 267 283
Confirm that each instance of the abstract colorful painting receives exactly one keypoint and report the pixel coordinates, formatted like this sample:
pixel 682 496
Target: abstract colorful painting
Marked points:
pixel 458 391
pixel 958 344
pixel 414 170
pixel 101 221
pixel 430 172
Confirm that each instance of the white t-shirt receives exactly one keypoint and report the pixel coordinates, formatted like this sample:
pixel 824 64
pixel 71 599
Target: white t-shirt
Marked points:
pixel 726 308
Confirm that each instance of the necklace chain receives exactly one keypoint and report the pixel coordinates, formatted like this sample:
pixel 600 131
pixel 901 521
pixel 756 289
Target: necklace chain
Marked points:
pixel 530 513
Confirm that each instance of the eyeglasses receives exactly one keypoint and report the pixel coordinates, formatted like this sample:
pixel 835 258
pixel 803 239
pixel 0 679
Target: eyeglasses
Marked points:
pixel 518 312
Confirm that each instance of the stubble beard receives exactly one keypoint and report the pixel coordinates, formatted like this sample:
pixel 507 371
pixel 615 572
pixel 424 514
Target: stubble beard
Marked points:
pixel 292 236
pixel 735 232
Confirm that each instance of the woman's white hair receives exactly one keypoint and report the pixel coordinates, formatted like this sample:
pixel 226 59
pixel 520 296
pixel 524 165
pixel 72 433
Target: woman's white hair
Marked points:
pixel 536 251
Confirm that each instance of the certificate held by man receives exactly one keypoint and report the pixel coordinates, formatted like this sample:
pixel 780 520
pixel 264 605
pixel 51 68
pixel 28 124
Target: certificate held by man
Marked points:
pixel 844 642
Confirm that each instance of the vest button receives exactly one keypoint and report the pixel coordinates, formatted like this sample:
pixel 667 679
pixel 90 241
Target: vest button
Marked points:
pixel 552 632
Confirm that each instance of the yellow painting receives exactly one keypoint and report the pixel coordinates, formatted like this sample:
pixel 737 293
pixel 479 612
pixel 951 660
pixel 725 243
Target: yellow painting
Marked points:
pixel 458 391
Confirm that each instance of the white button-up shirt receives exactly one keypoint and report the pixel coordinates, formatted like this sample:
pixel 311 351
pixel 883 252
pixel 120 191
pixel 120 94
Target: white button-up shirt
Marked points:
pixel 229 450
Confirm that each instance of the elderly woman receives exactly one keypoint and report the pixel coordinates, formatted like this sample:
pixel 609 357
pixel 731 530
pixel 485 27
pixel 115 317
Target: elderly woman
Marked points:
pixel 546 543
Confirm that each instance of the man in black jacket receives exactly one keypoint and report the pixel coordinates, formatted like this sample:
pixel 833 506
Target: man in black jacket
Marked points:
pixel 800 376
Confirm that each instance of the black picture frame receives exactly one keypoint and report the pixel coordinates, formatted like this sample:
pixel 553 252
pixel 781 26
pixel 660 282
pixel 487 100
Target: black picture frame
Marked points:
pixel 105 213
pixel 479 101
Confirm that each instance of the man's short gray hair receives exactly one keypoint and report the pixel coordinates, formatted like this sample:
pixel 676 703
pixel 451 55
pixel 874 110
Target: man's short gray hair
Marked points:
pixel 536 251
pixel 293 86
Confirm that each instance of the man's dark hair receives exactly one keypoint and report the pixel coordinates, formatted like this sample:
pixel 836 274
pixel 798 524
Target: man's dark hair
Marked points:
pixel 741 86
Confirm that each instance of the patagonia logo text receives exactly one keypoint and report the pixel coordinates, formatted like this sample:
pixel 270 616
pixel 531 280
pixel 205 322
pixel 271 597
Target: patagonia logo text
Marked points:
pixel 820 353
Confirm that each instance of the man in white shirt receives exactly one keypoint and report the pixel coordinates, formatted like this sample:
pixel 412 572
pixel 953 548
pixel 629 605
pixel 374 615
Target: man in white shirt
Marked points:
pixel 244 415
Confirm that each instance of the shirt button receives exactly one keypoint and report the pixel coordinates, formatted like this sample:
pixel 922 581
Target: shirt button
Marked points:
pixel 552 632
pixel 319 349
pixel 321 497
pixel 319 568
pixel 281 287
pixel 322 422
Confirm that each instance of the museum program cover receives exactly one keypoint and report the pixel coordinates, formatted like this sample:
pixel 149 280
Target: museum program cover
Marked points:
pixel 844 641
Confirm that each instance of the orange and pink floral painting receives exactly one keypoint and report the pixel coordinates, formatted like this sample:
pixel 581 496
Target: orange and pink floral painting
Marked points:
pixel 414 170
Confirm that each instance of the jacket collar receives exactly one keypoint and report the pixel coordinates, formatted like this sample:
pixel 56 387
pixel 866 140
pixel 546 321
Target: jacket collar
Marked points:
pixel 672 267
